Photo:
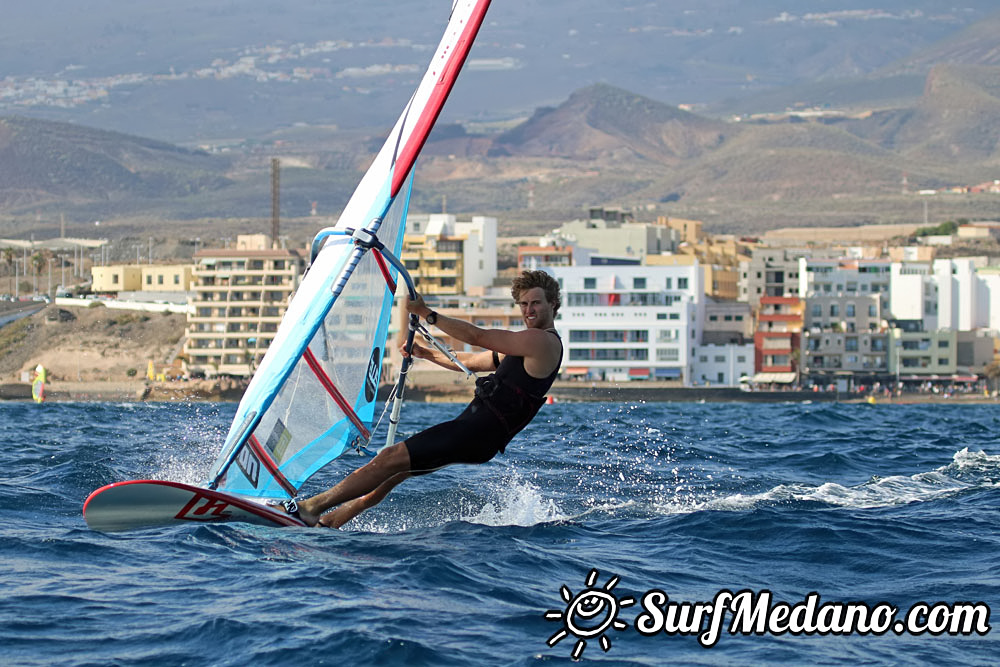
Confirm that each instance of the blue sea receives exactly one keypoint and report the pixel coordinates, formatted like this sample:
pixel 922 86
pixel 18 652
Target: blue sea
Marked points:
pixel 592 537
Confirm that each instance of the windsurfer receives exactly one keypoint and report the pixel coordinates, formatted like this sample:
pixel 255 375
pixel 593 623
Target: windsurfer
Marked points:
pixel 525 363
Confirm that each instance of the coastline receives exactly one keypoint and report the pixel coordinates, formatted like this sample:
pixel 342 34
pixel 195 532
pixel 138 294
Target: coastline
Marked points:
pixel 461 392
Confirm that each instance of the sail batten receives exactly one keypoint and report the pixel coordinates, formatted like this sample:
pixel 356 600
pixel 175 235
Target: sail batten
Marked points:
pixel 313 395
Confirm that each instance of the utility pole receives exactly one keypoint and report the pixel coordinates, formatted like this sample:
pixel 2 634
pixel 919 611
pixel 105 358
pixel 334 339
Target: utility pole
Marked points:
pixel 275 200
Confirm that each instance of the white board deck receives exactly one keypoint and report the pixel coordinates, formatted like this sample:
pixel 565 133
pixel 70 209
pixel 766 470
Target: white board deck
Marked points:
pixel 149 503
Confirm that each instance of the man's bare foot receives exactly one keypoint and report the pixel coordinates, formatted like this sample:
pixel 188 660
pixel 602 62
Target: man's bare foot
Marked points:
pixel 296 509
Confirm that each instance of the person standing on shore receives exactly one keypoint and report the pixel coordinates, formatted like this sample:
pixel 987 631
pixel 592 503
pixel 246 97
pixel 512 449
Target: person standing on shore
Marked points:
pixel 525 364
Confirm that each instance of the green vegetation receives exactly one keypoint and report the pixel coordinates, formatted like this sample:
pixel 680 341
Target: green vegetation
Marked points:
pixel 944 229
pixel 14 334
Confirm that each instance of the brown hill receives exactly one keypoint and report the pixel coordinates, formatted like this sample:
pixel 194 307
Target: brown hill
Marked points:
pixel 604 122
pixel 978 44
pixel 88 344
pixel 42 161
pixel 957 120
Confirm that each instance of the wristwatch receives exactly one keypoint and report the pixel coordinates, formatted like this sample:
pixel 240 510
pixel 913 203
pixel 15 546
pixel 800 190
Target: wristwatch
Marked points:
pixel 432 317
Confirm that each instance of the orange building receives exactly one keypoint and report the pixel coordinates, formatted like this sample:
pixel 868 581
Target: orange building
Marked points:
pixel 777 340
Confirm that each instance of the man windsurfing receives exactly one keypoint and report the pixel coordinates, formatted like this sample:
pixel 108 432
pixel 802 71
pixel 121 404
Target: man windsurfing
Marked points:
pixel 524 365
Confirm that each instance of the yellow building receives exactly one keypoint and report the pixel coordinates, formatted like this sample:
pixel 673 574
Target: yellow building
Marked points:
pixel 689 230
pixel 166 278
pixel 435 263
pixel 721 281
pixel 116 278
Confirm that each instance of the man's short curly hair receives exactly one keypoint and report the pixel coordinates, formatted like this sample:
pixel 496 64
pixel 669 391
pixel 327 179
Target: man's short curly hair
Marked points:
pixel 530 279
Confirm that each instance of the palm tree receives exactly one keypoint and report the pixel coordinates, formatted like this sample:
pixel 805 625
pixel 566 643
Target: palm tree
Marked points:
pixel 992 372
pixel 37 263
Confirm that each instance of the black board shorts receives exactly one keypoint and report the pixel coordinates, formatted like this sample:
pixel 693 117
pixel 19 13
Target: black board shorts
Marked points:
pixel 475 436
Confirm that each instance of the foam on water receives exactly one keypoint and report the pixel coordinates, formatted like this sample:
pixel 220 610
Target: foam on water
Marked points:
pixel 967 471
pixel 515 502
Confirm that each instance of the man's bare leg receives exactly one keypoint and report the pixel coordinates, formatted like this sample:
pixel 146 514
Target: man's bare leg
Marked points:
pixel 347 511
pixel 389 463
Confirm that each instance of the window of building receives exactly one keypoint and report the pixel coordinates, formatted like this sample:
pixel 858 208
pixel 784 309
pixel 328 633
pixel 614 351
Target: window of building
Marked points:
pixel 638 283
pixel 719 358
pixel 149 280
pixel 159 279
pixel 682 283
pixel 942 343
pixel 834 310
pixel 850 310
pixel 590 283
pixel 668 354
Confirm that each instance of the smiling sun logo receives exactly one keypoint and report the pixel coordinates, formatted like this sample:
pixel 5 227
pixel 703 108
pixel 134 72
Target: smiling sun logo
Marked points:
pixel 588 614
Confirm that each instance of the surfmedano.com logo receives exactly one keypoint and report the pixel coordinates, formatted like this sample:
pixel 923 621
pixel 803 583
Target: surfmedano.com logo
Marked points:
pixel 588 614
pixel 593 612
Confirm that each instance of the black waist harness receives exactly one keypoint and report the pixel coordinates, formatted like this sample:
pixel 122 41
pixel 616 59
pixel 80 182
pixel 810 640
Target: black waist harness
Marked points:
pixel 512 405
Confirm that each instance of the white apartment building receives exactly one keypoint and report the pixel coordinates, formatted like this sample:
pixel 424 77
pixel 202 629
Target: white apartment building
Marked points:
pixel 845 276
pixel 946 294
pixel 722 365
pixel 630 322
pixel 240 297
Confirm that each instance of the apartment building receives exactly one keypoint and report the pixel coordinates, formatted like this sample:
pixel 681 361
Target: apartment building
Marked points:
pixel 845 276
pixel 533 257
pixel 722 365
pixel 770 272
pixel 844 335
pixel 777 340
pixel 447 256
pixel 623 323
pixel 240 297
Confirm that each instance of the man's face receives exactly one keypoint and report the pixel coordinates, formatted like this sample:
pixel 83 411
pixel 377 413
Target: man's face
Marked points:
pixel 535 309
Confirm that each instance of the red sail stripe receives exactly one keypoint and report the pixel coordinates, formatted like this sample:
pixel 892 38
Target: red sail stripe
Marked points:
pixel 385 272
pixel 327 383
pixel 271 465
pixel 429 115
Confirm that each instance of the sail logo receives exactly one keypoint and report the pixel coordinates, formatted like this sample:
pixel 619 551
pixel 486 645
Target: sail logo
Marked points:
pixel 371 377
pixel 250 465
pixel 204 508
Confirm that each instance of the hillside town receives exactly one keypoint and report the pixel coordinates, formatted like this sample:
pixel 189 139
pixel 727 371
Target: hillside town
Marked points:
pixel 659 301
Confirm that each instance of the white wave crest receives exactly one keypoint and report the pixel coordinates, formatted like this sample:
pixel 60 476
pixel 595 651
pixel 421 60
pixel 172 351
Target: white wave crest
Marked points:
pixel 968 470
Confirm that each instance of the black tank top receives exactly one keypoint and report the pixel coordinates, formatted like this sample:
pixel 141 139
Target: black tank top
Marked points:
pixel 512 394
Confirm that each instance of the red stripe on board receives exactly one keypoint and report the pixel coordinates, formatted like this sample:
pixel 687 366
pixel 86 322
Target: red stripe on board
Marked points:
pixel 446 80
pixel 271 465
pixel 327 383
pixel 385 271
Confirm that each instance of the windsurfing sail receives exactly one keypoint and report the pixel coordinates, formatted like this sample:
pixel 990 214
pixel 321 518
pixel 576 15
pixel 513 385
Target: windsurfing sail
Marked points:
pixel 38 384
pixel 313 395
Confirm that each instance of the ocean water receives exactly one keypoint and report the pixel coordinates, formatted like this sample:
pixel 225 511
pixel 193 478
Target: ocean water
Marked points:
pixel 593 536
